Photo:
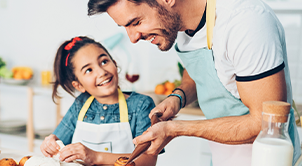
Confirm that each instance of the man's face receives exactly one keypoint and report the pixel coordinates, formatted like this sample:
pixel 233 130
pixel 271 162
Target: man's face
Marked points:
pixel 154 24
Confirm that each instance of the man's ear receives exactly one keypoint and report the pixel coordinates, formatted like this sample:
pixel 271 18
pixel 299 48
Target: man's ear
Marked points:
pixel 169 3
pixel 78 86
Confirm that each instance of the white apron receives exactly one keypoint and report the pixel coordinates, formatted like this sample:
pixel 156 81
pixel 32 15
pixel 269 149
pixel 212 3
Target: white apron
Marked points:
pixel 110 137
pixel 214 99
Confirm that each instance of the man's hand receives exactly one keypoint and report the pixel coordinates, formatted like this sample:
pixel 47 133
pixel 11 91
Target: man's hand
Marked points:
pixel 169 108
pixel 160 134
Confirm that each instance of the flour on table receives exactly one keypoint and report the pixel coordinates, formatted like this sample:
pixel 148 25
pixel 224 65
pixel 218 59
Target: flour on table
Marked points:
pixel 48 161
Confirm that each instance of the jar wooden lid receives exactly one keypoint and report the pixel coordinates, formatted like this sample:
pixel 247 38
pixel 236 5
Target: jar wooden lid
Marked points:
pixel 276 111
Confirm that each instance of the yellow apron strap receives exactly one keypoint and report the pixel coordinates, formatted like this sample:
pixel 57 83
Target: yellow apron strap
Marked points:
pixel 85 108
pixel 123 107
pixel 210 21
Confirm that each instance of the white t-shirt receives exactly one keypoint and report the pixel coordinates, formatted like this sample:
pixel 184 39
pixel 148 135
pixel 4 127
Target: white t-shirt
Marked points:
pixel 248 43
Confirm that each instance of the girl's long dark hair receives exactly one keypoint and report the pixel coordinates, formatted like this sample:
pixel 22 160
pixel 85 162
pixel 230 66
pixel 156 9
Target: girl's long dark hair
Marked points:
pixel 64 75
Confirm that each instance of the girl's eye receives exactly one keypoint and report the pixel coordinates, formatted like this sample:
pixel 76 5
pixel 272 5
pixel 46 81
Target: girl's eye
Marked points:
pixel 88 71
pixel 104 62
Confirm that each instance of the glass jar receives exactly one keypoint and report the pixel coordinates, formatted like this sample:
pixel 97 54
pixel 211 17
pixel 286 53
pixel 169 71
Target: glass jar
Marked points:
pixel 273 146
pixel 45 77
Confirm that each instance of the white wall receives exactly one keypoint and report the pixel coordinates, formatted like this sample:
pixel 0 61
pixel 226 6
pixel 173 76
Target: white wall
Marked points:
pixel 293 29
pixel 32 30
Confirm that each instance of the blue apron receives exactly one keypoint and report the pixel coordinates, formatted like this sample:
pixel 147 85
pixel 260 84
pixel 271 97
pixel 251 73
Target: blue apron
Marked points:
pixel 216 101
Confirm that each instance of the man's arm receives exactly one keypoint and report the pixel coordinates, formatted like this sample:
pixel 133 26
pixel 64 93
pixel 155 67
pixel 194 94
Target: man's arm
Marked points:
pixel 189 87
pixel 170 106
pixel 227 130
pixel 239 129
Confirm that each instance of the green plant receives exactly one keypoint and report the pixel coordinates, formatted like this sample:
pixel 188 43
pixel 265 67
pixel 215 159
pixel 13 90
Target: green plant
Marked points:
pixel 180 69
pixel 297 112
pixel 2 63
pixel 4 71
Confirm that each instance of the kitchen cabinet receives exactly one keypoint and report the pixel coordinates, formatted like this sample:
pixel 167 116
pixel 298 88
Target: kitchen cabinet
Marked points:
pixel 28 93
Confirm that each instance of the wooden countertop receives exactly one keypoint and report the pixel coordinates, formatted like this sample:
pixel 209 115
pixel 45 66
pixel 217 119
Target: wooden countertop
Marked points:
pixel 191 109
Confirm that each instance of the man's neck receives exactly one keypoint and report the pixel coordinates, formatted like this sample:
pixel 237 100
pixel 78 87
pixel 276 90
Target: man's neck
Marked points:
pixel 191 12
pixel 201 24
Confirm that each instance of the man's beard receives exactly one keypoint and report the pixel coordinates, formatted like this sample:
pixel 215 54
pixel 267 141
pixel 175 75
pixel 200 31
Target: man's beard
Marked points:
pixel 171 23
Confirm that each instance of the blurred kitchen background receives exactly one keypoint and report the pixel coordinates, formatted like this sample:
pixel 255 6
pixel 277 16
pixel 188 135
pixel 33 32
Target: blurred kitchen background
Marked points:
pixel 32 30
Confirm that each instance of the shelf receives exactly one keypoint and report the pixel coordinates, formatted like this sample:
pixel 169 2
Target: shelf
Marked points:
pixel 38 90
pixel 31 91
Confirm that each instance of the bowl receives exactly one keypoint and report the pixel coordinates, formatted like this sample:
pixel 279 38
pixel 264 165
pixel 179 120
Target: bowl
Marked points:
pixel 12 81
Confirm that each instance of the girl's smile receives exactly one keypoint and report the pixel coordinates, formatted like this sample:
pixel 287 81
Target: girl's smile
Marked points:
pixel 96 73
pixel 106 82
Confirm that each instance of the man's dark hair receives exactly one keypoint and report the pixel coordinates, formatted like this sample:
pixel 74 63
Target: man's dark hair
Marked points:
pixel 100 6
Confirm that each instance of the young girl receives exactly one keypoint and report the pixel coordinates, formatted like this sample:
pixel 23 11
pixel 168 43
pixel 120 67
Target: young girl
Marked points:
pixel 100 125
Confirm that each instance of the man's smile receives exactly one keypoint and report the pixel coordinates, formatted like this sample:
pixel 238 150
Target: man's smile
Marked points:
pixel 151 38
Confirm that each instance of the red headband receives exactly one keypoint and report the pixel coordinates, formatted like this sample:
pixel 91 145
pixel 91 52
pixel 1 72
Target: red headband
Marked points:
pixel 69 47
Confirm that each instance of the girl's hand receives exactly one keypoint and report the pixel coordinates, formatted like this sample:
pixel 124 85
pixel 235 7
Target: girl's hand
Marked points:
pixel 49 147
pixel 78 151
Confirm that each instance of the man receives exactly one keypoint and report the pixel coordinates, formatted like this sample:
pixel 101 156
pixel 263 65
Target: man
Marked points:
pixel 235 57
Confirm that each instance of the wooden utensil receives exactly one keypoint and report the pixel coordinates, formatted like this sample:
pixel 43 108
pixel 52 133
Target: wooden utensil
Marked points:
pixel 141 148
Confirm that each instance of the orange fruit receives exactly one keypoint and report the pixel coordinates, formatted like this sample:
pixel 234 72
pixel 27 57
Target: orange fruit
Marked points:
pixel 160 89
pixel 167 92
pixel 26 75
pixel 18 76
pixel 169 85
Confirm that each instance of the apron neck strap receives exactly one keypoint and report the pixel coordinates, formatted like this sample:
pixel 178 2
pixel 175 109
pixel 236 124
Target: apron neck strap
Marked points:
pixel 85 108
pixel 210 21
pixel 122 106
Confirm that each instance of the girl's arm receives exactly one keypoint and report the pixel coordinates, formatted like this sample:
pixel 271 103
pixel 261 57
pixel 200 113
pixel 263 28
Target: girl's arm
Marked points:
pixel 65 130
pixel 103 158
pixel 79 151
pixel 143 160
pixel 146 160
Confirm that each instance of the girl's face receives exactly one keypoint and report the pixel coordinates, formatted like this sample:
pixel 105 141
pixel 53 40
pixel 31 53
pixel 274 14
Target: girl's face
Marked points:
pixel 96 73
